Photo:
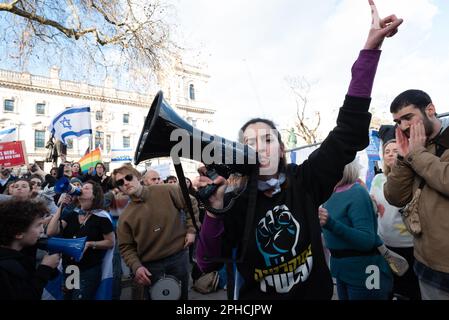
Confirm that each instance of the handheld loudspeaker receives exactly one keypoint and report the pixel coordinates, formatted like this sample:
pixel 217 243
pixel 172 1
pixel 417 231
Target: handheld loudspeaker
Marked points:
pixel 166 134
pixel 63 185
pixel 71 247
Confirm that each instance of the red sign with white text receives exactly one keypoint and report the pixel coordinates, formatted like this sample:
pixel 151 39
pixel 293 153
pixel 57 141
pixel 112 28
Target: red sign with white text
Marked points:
pixel 13 154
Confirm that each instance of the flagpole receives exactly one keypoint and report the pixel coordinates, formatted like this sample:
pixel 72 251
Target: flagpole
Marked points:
pixel 90 155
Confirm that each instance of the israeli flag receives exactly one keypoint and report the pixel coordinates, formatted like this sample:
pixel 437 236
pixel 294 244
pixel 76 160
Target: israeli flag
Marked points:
pixel 373 153
pixel 104 291
pixel 8 134
pixel 72 122
pixel 53 290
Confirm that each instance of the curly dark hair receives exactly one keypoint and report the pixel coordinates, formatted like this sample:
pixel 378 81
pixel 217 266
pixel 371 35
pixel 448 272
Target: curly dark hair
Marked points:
pixel 17 216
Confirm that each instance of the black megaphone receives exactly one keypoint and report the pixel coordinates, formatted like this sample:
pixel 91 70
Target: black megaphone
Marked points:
pixel 166 134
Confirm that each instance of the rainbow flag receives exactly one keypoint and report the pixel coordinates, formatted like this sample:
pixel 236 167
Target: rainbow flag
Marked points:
pixel 90 160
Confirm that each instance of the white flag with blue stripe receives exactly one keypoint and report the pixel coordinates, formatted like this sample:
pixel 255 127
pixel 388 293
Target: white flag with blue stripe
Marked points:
pixel 72 122
pixel 8 134
pixel 104 290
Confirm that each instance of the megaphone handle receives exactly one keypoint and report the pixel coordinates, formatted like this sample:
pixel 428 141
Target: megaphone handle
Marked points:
pixel 206 192
pixel 219 211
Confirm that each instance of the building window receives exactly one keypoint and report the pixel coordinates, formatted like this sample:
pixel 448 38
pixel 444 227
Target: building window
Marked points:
pixel 108 143
pixel 99 115
pixel 192 92
pixel 9 105
pixel 69 143
pixel 40 108
pixel 126 118
pixel 39 139
pixel 99 139
pixel 126 142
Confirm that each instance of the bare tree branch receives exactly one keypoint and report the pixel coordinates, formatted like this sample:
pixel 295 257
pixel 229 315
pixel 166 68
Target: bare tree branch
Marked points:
pixel 105 15
pixel 136 33
pixel 305 128
pixel 42 20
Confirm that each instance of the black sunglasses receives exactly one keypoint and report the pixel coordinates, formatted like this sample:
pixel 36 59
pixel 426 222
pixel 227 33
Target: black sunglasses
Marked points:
pixel 121 182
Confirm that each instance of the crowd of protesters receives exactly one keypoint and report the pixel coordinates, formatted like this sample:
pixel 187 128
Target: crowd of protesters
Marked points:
pixel 93 212
pixel 153 248
pixel 144 221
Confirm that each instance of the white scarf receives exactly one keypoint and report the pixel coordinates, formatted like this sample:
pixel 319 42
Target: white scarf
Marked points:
pixel 272 183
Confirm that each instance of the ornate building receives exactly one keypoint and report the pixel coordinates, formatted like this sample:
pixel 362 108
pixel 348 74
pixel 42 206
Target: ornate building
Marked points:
pixel 29 102
pixel 185 88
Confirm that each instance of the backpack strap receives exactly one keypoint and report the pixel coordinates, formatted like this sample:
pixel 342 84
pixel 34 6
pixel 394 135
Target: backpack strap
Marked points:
pixel 441 145
pixel 442 142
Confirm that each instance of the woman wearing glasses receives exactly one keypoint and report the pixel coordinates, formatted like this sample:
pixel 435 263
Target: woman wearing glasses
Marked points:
pixel 36 184
pixel 91 221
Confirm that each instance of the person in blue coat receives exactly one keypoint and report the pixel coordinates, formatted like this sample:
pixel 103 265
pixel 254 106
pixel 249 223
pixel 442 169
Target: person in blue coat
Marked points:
pixel 349 225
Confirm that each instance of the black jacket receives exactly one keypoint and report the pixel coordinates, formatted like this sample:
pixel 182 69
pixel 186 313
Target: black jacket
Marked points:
pixel 106 184
pixel 285 258
pixel 19 279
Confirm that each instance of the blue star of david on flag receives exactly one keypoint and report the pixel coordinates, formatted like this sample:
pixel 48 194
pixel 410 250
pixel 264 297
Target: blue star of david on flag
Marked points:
pixel 72 122
pixel 66 123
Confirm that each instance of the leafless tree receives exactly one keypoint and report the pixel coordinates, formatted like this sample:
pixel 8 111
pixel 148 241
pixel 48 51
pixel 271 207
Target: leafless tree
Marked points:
pixel 307 121
pixel 130 35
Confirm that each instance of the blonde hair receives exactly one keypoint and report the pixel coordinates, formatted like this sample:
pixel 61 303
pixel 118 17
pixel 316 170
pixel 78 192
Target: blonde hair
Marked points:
pixel 385 167
pixel 126 169
pixel 350 173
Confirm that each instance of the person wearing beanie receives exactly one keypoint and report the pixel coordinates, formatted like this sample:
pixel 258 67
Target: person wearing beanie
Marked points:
pixel 76 182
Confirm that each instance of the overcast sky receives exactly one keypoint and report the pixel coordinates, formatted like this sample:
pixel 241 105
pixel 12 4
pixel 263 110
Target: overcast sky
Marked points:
pixel 251 46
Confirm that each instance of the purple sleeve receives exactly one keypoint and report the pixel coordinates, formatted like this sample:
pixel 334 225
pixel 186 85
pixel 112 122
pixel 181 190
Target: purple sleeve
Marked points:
pixel 363 72
pixel 209 244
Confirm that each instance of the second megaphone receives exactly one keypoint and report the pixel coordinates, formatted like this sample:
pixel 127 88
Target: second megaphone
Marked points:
pixel 71 247
pixel 63 185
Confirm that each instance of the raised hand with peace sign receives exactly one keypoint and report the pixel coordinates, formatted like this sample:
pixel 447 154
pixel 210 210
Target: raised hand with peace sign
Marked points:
pixel 381 28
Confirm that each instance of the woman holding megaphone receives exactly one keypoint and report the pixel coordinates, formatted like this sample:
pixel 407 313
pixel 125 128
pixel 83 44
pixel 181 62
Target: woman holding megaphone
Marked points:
pixel 91 221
